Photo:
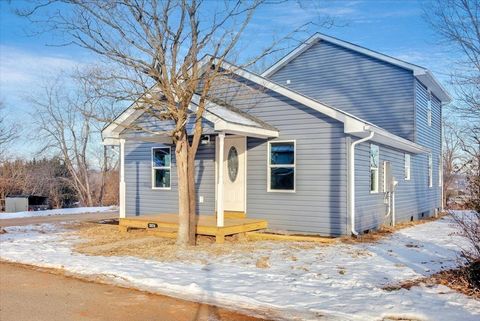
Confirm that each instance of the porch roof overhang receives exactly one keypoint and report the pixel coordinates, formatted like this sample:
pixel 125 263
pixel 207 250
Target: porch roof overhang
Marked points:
pixel 225 118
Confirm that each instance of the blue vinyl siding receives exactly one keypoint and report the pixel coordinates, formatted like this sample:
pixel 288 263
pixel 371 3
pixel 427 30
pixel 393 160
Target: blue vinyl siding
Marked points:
pixel 319 203
pixel 141 199
pixel 363 86
pixel 412 197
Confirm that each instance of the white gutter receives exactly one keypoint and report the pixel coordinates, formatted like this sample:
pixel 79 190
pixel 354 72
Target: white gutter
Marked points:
pixel 351 180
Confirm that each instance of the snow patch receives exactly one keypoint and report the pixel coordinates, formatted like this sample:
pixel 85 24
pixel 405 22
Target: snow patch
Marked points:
pixel 307 288
pixel 60 211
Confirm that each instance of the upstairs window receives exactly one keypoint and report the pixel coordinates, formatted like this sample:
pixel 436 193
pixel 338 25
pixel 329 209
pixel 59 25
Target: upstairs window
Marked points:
pixel 374 162
pixel 407 167
pixel 429 109
pixel 161 168
pixel 281 166
pixel 430 170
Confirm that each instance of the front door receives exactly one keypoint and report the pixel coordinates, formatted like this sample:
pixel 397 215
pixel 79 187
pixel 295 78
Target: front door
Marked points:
pixel 234 174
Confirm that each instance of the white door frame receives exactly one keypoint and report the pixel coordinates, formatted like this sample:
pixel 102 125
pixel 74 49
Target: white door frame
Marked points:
pixel 216 170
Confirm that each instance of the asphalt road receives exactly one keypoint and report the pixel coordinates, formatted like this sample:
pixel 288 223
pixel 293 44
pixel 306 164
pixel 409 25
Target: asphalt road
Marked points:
pixel 27 293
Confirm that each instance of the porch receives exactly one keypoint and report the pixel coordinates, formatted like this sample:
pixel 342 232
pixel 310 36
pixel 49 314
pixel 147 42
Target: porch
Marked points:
pixel 166 225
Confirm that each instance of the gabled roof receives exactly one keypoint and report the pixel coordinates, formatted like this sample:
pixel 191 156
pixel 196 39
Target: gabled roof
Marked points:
pixel 223 116
pixel 421 73
pixel 352 125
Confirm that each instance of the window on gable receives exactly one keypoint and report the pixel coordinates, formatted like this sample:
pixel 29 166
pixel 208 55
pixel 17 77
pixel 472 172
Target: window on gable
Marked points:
pixel 430 170
pixel 281 166
pixel 161 168
pixel 407 167
pixel 374 163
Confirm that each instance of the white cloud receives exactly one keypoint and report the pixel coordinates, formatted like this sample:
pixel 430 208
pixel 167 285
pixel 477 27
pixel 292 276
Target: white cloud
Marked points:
pixel 19 68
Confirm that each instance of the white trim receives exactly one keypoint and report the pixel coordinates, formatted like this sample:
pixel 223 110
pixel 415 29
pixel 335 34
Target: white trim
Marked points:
pixel 220 188
pixel 440 171
pixel 351 180
pixel 352 124
pixel 294 166
pixel 245 172
pixel 423 75
pixel 377 169
pixel 161 167
pixel 407 172
pixel 290 56
pixel 122 185
pixel 430 170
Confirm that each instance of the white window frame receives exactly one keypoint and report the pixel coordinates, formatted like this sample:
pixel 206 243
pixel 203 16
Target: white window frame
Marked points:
pixel 376 169
pixel 408 168
pixel 440 170
pixel 161 167
pixel 429 110
pixel 430 170
pixel 294 166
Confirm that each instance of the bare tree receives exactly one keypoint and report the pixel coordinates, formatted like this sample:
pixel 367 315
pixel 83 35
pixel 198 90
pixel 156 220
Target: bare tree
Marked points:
pixel 452 158
pixel 159 48
pixel 457 22
pixel 63 129
pixel 8 132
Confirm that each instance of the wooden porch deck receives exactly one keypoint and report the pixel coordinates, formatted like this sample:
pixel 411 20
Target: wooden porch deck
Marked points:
pixel 166 225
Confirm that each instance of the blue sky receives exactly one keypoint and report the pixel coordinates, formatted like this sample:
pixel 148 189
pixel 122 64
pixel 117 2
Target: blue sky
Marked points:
pixel 392 27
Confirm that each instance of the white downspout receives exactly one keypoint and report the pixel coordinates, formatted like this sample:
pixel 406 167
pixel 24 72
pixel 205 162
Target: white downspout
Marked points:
pixel 351 181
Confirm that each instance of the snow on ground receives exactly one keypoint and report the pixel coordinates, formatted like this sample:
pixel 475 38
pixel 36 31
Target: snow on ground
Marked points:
pixel 60 211
pixel 304 282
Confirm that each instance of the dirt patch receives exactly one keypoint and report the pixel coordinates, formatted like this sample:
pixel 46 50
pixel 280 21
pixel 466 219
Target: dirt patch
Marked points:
pixel 106 240
pixel 456 279
pixel 385 231
pixel 263 262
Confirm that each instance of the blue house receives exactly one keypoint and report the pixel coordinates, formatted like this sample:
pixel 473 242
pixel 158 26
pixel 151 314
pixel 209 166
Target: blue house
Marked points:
pixel 333 139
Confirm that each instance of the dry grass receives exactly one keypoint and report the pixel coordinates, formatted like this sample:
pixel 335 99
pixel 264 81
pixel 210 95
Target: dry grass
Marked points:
pixel 455 279
pixel 106 240
pixel 385 231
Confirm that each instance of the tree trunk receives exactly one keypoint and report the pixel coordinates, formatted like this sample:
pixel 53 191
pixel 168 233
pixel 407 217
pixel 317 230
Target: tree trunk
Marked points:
pixel 192 199
pixel 181 155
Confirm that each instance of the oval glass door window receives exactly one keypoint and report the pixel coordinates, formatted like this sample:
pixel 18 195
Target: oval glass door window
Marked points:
pixel 232 164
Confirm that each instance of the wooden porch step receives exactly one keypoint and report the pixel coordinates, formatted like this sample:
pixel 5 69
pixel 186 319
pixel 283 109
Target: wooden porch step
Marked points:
pixel 163 232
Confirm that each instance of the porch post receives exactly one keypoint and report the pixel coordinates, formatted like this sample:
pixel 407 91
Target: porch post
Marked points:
pixel 122 179
pixel 221 142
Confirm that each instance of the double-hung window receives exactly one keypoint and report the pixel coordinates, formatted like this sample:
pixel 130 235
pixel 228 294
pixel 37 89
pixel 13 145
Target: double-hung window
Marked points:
pixel 281 166
pixel 430 170
pixel 161 167
pixel 407 167
pixel 374 163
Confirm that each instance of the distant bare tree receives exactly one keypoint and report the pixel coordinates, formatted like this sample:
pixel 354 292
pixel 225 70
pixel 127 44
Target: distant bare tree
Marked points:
pixel 452 157
pixel 159 49
pixel 8 132
pixel 457 22
pixel 64 129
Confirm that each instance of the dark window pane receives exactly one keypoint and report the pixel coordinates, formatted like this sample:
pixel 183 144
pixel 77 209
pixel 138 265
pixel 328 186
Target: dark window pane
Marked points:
pixel 162 178
pixel 161 157
pixel 282 178
pixel 282 154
